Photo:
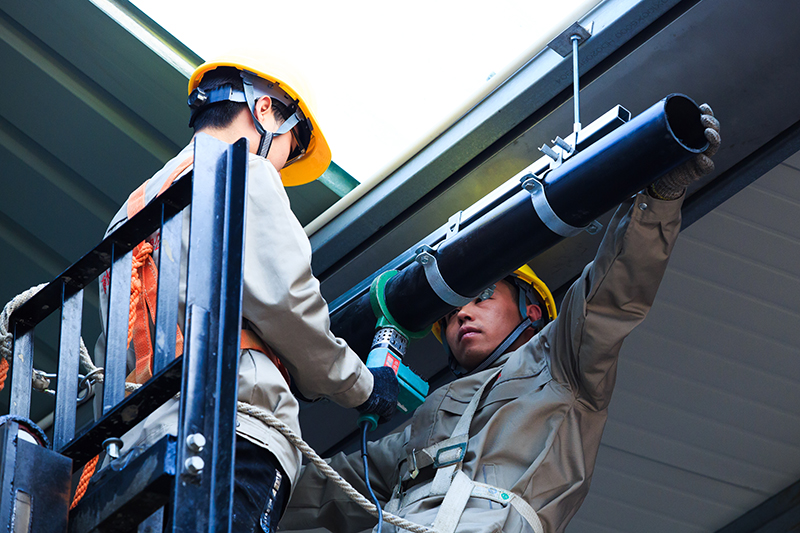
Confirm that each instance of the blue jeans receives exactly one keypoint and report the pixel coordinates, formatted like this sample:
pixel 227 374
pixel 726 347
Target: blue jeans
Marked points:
pixel 260 489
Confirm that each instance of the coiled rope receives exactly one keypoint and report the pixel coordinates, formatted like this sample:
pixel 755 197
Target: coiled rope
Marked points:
pixel 6 341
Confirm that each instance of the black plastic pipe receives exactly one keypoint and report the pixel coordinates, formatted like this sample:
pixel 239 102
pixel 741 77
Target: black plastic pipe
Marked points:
pixel 584 187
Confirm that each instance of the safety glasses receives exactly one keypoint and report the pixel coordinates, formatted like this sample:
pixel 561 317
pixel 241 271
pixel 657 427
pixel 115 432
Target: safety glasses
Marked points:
pixel 302 136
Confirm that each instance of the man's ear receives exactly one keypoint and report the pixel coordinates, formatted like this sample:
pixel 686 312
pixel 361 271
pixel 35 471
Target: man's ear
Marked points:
pixel 534 312
pixel 263 108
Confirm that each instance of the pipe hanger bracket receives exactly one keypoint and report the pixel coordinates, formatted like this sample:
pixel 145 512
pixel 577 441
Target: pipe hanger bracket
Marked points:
pixel 426 258
pixel 562 43
pixel 545 212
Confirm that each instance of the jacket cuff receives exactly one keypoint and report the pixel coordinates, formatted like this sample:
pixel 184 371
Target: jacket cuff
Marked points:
pixel 652 209
pixel 359 392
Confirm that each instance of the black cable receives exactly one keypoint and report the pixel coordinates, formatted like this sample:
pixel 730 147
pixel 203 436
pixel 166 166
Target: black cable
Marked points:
pixel 365 427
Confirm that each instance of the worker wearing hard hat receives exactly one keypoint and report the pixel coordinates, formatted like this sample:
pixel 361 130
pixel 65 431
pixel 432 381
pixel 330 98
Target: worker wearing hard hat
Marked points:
pixel 286 334
pixel 511 444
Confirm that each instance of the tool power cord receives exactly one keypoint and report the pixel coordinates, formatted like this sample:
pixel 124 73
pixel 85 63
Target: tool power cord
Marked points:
pixel 365 457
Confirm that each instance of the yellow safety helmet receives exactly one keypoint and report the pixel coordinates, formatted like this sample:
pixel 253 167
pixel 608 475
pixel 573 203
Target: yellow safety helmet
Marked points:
pixel 526 274
pixel 283 83
pixel 530 287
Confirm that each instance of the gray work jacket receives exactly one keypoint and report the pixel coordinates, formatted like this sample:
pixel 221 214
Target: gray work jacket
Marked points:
pixel 537 431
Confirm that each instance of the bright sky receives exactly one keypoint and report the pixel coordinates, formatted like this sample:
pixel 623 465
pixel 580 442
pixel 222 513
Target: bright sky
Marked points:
pixel 388 76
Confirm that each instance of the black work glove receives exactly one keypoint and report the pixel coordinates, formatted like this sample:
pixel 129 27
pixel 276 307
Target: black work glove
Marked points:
pixel 674 183
pixel 383 399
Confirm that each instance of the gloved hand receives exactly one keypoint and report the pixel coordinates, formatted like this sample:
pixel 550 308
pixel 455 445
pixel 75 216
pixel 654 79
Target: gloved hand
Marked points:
pixel 673 184
pixel 383 399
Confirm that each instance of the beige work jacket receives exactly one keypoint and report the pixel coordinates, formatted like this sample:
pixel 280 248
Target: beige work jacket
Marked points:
pixel 537 430
pixel 283 306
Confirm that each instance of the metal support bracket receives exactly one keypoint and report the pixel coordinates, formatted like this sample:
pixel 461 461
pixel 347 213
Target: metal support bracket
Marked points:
pixel 453 225
pixel 426 258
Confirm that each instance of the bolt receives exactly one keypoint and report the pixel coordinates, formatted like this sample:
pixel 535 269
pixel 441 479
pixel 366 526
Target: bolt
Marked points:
pixel 642 206
pixel 196 442
pixel 194 465
pixel 593 228
pixel 113 446
pixel 424 259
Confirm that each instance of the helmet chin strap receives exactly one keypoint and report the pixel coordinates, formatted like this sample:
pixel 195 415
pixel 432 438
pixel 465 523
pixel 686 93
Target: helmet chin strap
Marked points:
pixel 265 143
pixel 460 371
pixel 266 136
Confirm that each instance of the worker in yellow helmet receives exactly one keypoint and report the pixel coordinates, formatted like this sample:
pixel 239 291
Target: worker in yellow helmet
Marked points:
pixel 286 336
pixel 511 444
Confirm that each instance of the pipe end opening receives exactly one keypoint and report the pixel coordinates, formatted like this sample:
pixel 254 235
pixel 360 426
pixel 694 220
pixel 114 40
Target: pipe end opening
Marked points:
pixel 683 119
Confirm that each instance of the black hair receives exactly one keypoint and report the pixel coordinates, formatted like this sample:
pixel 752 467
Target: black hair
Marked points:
pixel 222 114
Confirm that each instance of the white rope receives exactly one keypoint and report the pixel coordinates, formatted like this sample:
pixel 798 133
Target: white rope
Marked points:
pixel 39 381
pixel 6 340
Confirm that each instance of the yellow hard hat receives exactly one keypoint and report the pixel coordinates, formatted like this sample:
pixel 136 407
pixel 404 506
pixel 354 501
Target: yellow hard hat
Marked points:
pixel 526 274
pixel 317 157
pixel 545 297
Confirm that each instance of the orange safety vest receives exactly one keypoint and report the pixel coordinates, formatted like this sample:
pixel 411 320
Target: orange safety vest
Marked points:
pixel 144 288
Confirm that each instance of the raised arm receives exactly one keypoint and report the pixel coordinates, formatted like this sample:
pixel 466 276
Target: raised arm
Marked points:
pixel 616 290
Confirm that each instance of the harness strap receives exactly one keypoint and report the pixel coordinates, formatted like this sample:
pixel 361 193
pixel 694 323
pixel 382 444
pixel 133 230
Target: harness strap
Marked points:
pixel 453 504
pixel 144 284
pixel 450 451
pixel 251 341
pixel 447 457
pixel 145 280
pixel 457 497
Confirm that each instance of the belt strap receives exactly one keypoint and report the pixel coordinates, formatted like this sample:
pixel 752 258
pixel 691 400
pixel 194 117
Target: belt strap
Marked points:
pixel 251 341
pixel 456 498
pixel 449 451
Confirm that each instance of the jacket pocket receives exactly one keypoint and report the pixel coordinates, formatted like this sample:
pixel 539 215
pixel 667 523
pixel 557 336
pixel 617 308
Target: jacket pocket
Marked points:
pixel 506 390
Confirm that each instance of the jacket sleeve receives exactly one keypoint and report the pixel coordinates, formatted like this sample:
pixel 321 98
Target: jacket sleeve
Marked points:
pixel 317 502
pixel 282 300
pixel 612 296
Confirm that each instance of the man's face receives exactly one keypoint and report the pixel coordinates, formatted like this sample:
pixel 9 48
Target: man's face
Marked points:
pixel 475 330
